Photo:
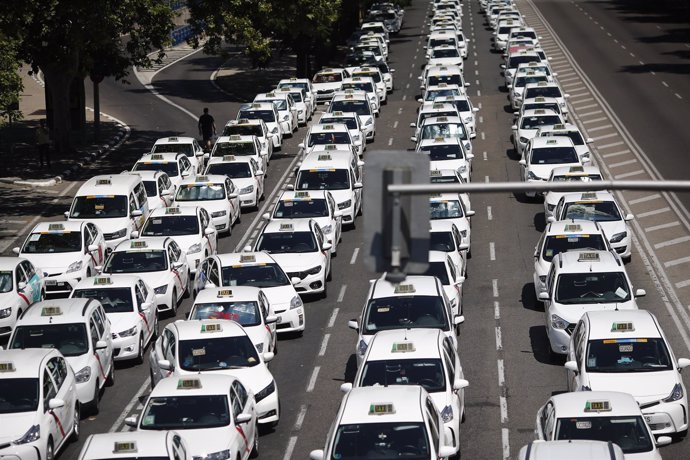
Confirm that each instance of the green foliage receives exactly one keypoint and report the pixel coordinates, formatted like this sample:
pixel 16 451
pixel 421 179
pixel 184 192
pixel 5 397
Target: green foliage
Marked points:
pixel 10 80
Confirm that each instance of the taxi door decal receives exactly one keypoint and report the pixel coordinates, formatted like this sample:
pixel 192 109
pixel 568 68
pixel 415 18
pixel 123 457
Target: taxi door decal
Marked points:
pixel 244 437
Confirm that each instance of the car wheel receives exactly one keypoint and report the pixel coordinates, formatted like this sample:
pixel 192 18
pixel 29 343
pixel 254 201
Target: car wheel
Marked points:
pixel 174 302
pixel 76 430
pixel 94 404
pixel 110 380
pixel 153 382
pixel 189 287
pixel 255 448
pixel 50 454
pixel 140 354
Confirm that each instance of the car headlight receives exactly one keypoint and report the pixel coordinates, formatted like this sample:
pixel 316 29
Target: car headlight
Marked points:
pixel 462 169
pixel 542 279
pixel 558 323
pixel 286 118
pixel 220 455
pixel 468 120
pixel 676 393
pixel 362 347
pixel 75 266
pixel 266 391
pixel 274 130
pixel 218 213
pixel 194 248
pixel 618 237
pixel 129 332
pixel 532 176
pixel 83 375
pixel 345 204
pixel 300 112
pixel 161 290
pixel 369 122
pixel 327 229
pixel 260 347
pixel 313 270
pixel 115 235
pixel 550 207
pixel 5 312
pixel 247 189
pixel 32 435
pixel 463 233
pixel 447 414
pixel 296 302
pixel 524 140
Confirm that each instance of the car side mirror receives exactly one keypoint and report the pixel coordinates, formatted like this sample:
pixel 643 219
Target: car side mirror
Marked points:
pixel 145 306
pixel 165 365
pixel 420 100
pixel 470 213
pixel 446 451
pixel 243 418
pixel 463 247
pixel 522 162
pixel 268 356
pixel 502 66
pixel 566 96
pixel 16 250
pixel 509 87
pixel 301 145
pixel 458 319
pixel 134 235
pixel 413 139
pixel 177 265
pixel 514 127
pixel 543 295
pixel 475 109
pixel 413 125
pixel 571 366
pixel 663 441
pixel 66 214
pixel 683 363
pixel 551 219
pixel 295 280
pixel 209 285
pixel 270 319
pixel 352 324
pixel 136 213
pixel 266 216
pixel 589 140
pixel 640 293
pixel 316 454
pixel 290 187
pixel 326 246
pixel 346 387
pixel 21 286
pixel 629 217
pixel 459 384
pixel 210 230
pixel 166 192
pixel 131 421
pixel 101 345
pixel 184 174
pixel 232 196
pixel 259 173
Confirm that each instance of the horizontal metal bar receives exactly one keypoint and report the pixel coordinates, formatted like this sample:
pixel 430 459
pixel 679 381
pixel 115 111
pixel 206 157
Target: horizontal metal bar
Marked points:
pixel 496 187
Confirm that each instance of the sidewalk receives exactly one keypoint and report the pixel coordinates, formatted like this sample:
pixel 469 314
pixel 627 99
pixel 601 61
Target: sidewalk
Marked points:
pixel 19 156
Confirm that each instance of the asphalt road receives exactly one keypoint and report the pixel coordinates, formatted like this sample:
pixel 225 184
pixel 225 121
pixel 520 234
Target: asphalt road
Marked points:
pixel 503 342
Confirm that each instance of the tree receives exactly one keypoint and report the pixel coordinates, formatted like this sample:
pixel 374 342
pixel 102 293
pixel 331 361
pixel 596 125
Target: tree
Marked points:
pixel 10 80
pixel 68 39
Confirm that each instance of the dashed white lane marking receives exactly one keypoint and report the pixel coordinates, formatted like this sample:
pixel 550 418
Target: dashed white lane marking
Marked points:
pixel 664 244
pixel 673 263
pixel 504 410
pixel 582 107
pixel 395 125
pixel 312 379
pixel 354 256
pixel 612 144
pixel 334 315
pixel 494 287
pixel 290 448
pixel 300 418
pixel 341 294
pixel 653 212
pixel 482 135
pixel 492 250
pixel 481 119
pixel 629 174
pixel 400 110
pixel 497 310
pixel 678 96
pixel 130 405
pixel 485 156
pixel 505 441
pixel 622 163
pixel 479 93
pixel 404 97
pixel 682 284
pixel 499 339
pixel 410 75
pixel 664 83
pixel 489 213
pixel 587 114
pixel 390 141
pixel 594 120
pixel 324 344
pixel 654 228
pixel 486 179
pixel 605 136
pixel 501 372
pixel 615 154
pixel 655 196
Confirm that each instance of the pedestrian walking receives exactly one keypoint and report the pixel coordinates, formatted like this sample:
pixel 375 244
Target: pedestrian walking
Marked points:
pixel 207 128
pixel 43 144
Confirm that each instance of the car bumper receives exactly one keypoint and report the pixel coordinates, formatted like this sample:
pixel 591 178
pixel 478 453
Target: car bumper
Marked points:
pixel 290 320
pixel 7 324
pixel 268 409
pixel 666 418
pixel 249 200
pixel 277 140
pixel 31 451
pixel 61 285
pixel 222 223
pixel 165 301
pixel 125 348
pixel 311 284
pixel 348 214
pixel 623 248
pixel 324 97
pixel 86 390
pixel 558 339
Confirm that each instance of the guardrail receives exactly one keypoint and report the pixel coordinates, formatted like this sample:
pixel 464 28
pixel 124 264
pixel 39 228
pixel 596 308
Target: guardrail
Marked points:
pixel 181 34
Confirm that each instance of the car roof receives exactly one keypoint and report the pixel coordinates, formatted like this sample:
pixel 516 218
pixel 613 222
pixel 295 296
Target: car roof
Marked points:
pixel 573 226
pixel 143 244
pixel 440 140
pixel 227 294
pixel 174 211
pixel 324 161
pixel 423 286
pixel 442 225
pixel 424 343
pixel 245 258
pixel 303 195
pixel 210 384
pixel 600 195
pixel 26 362
pixel 148 443
pixel 174 140
pixel 58 227
pixel 438 256
pixel 106 281
pixel 204 179
pixel 452 119
pixel 258 106
pixel 245 121
pixel 606 324
pixel 328 127
pixel 358 403
pixel 587 260
pixel 231 159
pixel 236 139
pixel 339 114
pixel 58 311
pixel 576 170
pixel 148 175
pixel 573 404
pixel 106 184
pixel 571 449
pixel 198 328
pixel 292 225
pixel 552 141
pixel 160 157
pixel 539 113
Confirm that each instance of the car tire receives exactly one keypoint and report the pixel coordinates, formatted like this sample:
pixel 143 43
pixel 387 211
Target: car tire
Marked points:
pixel 174 302
pixel 255 448
pixel 94 405
pixel 188 288
pixel 76 429
pixel 50 452
pixel 140 355
pixel 110 380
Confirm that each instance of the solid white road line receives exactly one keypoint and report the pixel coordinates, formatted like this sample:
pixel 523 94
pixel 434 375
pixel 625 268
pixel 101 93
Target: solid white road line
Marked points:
pixel 655 196
pixel 653 213
pixel 129 406
pixel 679 240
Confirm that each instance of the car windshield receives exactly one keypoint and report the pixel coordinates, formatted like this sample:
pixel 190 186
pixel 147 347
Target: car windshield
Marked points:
pixel 359 57
pixel 556 244
pixel 350 122
pixel 287 242
pixel 327 179
pixel 99 207
pixel 575 136
pixel 598 211
pixel 630 433
pixel 211 354
pixel 246 312
pixel 553 156
pixel 367 87
pixel 443 152
pixel 576 178
pixel 628 355
pixel 200 192
pixel 428 373
pixel 114 299
pixel 171 226
pixel 151 188
pixel 185 412
pixel 168 167
pixel 360 107
pixel 544 91
pixel 533 122
pixel 243 130
pixel 446 209
pixel 462 105
pixel 431 131
pixel 592 287
pixel 441 241
pixel 435 42
pixel 300 209
pixel 187 149
pixel 375 75
pixel 553 106
pixel 329 138
pixel 451 79
pixel 70 339
pixel 520 82
pixel 444 53
pixel 262 275
pixel 136 261
pixel 327 78
pixel 400 312
pixel 6 283
pixel 233 148
pixel 515 61
pixel 381 441
pixel 52 242
pixel 438 269
pixel 266 115
pixel 18 395
pixel 281 104
pixel 239 170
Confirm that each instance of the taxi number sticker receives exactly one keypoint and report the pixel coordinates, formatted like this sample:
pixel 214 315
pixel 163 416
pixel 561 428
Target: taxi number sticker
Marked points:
pixel 383 309
pixel 157 221
pixel 199 351
pixel 149 420
pixel 549 253
pixel 583 425
pixel 99 207
pixel 620 292
pixel 625 348
pixel 34 237
pixel 573 240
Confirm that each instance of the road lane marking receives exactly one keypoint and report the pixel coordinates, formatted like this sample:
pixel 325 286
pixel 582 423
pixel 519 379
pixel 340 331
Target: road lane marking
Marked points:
pixel 354 256
pixel 593 120
pixel 654 228
pixel 492 250
pixel 499 340
pixel 312 380
pixel 679 240
pixel 599 128
pixel 290 448
pixel 300 418
pixel 132 402
pixel 622 163
pixel 615 154
pixel 644 198
pixel 679 261
pixel 653 212
pixel 324 344
pixel 485 156
pixel 395 125
pixel 629 174
pixel 494 287
pixel 334 315
pixel 341 294
pixel 489 214
pixel 682 284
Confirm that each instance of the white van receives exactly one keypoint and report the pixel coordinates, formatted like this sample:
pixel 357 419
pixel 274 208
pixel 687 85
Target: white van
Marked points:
pixel 116 203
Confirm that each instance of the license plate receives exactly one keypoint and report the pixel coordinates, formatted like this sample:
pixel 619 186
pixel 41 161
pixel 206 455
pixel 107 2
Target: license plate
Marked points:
pixel 51 282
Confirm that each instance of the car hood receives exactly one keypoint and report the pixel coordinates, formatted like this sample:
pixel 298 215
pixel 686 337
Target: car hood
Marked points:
pixel 53 263
pixel 109 225
pixel 122 321
pixel 185 241
pixel 297 262
pixel 77 363
pixel 613 227
pixel 342 195
pixel 153 279
pixel 279 297
pixel 210 205
pixel 14 426
pixel 644 386
pixel 257 334
pixel 243 182
pixel 544 171
pixel 204 441
pixel 572 313
pixel 326 86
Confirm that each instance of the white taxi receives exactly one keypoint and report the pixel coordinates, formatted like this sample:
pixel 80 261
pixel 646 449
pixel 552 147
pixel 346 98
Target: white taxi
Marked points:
pixel 359 104
pixel 442 266
pixel 240 147
pixel 187 145
pixel 445 55
pixel 419 301
pixel 40 409
pixel 573 132
pixel 326 82
pixel 542 154
pixel 302 250
pixel 64 252
pixel 450 176
pixel 130 306
pixel 433 109
pixel 581 281
pixel 260 270
pixel 189 226
pixel 571 450
pixel 444 127
pixel 628 351
pixel 252 127
pixel 562 236
pixel 267 112
pixel 603 208
pixel 367 85
pixel 159 188
pixel 449 207
pixel 80 330
pixel 548 89
pixel 424 357
pixel 444 236
pixel 599 416
pixel 448 153
pixel 160 262
pixel 529 123
pixel 245 173
pixel 387 422
pixel 304 84
pixel 301 105
pixel 176 165
pixel 318 205
pixel 246 305
pixel 217 194
pixel 327 134
pixel 215 413
pixel 375 73
pixel 351 120
pixel 287 111
pixel 466 110
pixel 195 347
pixel 567 174
pixel 144 445
pixel 21 284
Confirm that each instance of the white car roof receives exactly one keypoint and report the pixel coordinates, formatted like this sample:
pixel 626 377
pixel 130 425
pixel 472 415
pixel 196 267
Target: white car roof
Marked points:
pixel 175 211
pixel 440 140
pixel 576 171
pixel 109 184
pixel 204 179
pixel 26 363
pixel 588 196
pixel 9 263
pixel 621 324
pixel 58 311
pixel 587 260
pixel 442 225
pixel 289 226
pixel 106 281
pixel 324 161
pixel 573 404
pixel 147 175
pixel 328 127
pixel 552 141
pixel 160 157
pixel 303 195
pixel 174 140
pixel 418 285
pixel 143 244
pixel 208 384
pixel 573 227
pixel 406 402
pixel 141 444
pixel 245 258
pixel 199 328
pixel 227 294
pixel 60 226
pixel 405 344
pixel 236 139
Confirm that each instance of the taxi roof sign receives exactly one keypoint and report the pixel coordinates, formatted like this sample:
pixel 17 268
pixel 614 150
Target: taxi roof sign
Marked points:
pixel 235 137
pixel 588 257
pixel 559 126
pixel 156 156
pixel 225 293
pixel 435 173
pixel 381 409
pixel 202 178
pixel 56 227
pixel 101 280
pixel 403 347
pixel 136 244
pixel 327 126
pixel 243 120
pixel 330 147
pixel 551 141
pixel 405 289
pixel 51 311
pixel 324 157
pixel 302 194
pixel 247 258
pixel 189 384
pixel 576 169
pixel 622 327
pixel 286 227
pixel 598 406
pixel 573 228
pixel 172 139
pixel 173 210
pixel 7 367
pixel 104 182
pixel 124 447
pixel 213 327
pixel 229 158
pixel 589 196
pixel 337 113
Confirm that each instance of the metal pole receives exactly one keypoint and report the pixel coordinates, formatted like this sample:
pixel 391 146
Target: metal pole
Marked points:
pixel 96 113
pixel 395 275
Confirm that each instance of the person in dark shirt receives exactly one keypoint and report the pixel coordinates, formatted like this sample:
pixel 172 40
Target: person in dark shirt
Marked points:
pixel 207 128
